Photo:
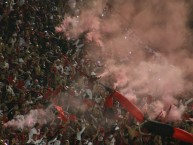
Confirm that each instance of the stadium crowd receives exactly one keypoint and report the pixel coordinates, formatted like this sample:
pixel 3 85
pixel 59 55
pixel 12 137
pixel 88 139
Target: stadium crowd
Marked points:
pixel 43 70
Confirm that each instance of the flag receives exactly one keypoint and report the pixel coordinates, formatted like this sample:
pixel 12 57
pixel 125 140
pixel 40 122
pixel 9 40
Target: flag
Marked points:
pixel 183 135
pixel 61 114
pixel 129 106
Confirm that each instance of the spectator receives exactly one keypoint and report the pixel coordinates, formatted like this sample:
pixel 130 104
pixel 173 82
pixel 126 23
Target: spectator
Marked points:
pixel 33 134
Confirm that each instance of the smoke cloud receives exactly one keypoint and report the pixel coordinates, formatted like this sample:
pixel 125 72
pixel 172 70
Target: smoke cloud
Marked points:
pixel 27 121
pixel 145 46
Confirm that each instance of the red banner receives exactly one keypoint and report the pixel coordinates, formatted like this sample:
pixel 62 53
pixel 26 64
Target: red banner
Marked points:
pixel 130 107
pixel 61 113
pixel 183 135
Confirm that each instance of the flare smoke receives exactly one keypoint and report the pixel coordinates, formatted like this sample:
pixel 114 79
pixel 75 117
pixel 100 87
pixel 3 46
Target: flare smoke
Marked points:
pixel 146 45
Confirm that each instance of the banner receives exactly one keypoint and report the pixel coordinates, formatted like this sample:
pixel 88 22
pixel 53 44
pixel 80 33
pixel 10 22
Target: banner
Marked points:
pixel 183 135
pixel 130 107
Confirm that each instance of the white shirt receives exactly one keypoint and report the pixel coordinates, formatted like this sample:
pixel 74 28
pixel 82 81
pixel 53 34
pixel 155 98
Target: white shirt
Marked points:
pixel 33 132
pixel 21 41
pixel 54 142
pixel 78 134
pixel 112 141
pixel 57 142
pixel 90 143
pixel 89 93
pixel 37 142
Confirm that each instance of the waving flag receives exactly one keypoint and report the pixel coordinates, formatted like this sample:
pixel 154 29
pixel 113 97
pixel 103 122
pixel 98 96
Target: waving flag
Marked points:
pixel 129 106
pixel 61 112
pixel 183 135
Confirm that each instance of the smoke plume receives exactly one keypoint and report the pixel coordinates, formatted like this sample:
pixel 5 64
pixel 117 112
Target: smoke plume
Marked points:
pixel 29 120
pixel 146 45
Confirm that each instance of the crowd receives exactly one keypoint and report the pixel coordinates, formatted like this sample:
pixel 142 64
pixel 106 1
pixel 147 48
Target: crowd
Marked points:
pixel 43 70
